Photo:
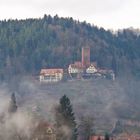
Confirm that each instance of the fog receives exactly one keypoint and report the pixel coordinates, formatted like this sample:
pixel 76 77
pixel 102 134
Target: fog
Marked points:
pixel 107 101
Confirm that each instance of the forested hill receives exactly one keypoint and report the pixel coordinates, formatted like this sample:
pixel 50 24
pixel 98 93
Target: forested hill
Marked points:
pixel 28 45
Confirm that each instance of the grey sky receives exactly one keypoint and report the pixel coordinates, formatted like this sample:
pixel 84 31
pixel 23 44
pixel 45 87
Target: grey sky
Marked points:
pixel 112 14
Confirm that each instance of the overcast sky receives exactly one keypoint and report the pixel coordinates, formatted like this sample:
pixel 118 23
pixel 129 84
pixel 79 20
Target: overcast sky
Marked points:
pixel 112 14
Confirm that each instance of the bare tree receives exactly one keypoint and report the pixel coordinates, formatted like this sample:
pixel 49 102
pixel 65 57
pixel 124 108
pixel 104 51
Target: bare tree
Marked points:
pixel 13 104
pixel 85 127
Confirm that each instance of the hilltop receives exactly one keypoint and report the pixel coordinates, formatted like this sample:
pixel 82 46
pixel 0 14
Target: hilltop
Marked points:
pixel 28 45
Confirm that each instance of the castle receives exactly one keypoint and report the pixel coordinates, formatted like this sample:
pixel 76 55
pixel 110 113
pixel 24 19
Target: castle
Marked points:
pixel 84 69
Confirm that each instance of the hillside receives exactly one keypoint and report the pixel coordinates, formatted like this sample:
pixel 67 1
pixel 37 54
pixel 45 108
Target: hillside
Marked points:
pixel 106 101
pixel 28 45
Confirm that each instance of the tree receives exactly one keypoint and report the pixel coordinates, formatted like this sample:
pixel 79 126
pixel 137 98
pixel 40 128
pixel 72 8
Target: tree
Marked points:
pixel 65 119
pixel 85 127
pixel 107 137
pixel 99 138
pixel 118 128
pixel 13 104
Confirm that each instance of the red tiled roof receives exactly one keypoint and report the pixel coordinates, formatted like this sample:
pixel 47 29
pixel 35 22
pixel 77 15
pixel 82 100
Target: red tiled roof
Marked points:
pixel 41 127
pixel 125 136
pixel 96 137
pixel 77 65
pixel 94 64
pixel 51 71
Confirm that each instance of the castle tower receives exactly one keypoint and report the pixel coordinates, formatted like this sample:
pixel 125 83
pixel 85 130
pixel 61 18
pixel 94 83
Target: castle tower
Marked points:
pixel 86 57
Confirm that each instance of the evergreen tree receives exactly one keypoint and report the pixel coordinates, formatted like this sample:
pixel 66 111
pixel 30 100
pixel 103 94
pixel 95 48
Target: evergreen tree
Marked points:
pixel 67 108
pixel 65 117
pixel 13 104
pixel 107 137
pixel 118 128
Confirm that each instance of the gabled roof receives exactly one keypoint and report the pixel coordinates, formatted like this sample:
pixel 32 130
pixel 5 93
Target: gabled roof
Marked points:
pixel 77 65
pixel 43 128
pixel 51 71
pixel 97 137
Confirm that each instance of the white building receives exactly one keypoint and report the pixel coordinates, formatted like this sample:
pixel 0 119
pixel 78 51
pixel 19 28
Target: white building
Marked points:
pixel 51 75
pixel 75 68
pixel 91 69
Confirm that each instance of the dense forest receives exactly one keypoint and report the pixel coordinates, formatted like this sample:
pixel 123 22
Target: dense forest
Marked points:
pixel 28 45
